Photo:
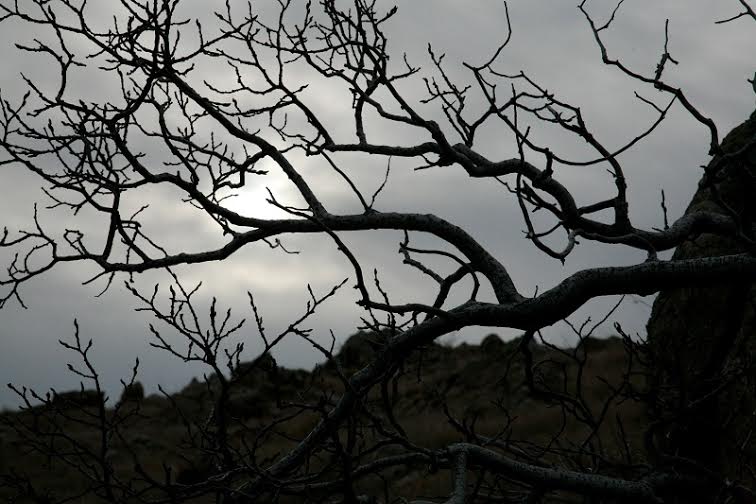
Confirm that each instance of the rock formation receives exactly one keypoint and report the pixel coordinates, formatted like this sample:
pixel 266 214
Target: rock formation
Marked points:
pixel 703 338
pixel 82 398
pixel 132 392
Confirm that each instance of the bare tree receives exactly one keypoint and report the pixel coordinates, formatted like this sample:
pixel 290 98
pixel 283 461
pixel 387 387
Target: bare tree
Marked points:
pixel 214 140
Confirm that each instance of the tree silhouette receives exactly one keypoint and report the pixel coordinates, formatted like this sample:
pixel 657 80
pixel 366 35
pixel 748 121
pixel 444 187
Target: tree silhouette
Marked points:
pixel 206 141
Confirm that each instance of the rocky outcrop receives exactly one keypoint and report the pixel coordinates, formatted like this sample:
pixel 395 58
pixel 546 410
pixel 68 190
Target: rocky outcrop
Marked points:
pixel 360 349
pixel 132 392
pixel 703 338
pixel 75 399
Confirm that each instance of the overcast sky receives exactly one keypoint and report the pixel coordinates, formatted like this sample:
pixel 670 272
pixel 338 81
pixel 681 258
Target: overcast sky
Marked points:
pixel 551 42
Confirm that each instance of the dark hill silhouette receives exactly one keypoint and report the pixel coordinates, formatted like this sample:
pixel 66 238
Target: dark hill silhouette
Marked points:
pixel 480 386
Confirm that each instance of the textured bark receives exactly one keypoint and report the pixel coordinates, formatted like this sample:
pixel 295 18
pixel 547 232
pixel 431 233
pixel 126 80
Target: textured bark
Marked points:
pixel 703 338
